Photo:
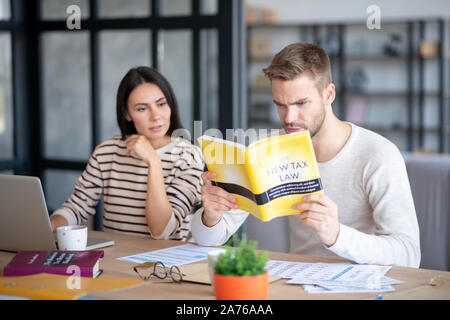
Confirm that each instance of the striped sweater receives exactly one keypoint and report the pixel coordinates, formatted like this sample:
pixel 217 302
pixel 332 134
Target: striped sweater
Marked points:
pixel 122 180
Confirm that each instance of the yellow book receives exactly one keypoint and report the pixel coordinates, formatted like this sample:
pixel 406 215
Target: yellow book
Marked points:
pixel 44 286
pixel 268 176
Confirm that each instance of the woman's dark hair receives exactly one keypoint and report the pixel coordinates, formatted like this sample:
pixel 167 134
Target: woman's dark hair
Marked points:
pixel 134 78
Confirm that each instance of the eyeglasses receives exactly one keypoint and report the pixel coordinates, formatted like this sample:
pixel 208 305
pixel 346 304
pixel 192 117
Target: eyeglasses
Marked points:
pixel 159 271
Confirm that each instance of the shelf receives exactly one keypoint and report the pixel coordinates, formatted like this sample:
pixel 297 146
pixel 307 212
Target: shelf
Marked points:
pixel 355 58
pixel 386 22
pixel 384 58
pixel 348 55
pixel 373 94
pixel 399 129
pixel 266 123
pixel 375 57
pixel 274 26
pixel 395 94
pixel 378 94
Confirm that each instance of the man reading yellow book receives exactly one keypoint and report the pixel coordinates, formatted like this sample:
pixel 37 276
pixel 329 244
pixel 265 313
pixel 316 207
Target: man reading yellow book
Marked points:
pixel 268 176
pixel 366 213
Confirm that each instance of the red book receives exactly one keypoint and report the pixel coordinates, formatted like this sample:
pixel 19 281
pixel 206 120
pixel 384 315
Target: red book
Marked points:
pixel 56 262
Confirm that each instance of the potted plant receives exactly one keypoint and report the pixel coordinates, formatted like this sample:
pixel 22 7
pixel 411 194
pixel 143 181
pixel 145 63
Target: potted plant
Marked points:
pixel 240 272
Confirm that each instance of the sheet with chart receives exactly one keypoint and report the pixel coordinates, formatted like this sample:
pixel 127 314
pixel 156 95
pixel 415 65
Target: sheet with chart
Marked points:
pixel 177 255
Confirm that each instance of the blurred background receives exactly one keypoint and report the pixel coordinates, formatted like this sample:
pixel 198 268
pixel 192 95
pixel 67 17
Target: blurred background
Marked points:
pixel 390 59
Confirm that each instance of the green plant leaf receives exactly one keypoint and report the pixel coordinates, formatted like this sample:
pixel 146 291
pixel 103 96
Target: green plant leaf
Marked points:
pixel 243 259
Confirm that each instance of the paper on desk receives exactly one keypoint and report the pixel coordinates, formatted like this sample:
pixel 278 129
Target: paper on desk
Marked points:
pixel 177 255
pixel 286 269
pixel 341 289
pixel 334 277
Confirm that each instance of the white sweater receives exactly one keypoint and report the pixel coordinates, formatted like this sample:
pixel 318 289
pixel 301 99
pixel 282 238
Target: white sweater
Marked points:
pixel 368 181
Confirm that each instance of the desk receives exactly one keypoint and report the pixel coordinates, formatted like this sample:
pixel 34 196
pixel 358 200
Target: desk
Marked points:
pixel 166 290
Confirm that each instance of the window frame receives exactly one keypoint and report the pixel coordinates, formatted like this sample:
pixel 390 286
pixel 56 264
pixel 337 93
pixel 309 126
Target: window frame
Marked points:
pixel 27 27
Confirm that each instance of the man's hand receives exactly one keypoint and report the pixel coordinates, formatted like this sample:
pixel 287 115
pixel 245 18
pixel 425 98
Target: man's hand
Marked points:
pixel 321 213
pixel 215 201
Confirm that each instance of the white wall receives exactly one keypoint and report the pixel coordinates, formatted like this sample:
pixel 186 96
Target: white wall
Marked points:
pixel 312 11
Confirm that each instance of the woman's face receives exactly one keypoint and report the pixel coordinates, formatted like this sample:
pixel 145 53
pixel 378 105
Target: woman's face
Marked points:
pixel 150 113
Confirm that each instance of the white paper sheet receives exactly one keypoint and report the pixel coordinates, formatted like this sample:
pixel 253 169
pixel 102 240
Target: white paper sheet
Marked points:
pixel 318 289
pixel 333 277
pixel 178 255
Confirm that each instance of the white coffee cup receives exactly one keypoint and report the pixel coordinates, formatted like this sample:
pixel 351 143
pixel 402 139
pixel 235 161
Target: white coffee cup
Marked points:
pixel 212 259
pixel 72 237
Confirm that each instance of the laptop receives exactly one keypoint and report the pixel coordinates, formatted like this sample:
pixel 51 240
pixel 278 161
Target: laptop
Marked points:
pixel 24 219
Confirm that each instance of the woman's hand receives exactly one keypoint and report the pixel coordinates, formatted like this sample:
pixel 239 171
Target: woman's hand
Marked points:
pixel 58 221
pixel 143 148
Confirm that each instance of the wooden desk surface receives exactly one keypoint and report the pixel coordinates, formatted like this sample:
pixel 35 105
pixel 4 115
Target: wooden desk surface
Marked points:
pixel 414 280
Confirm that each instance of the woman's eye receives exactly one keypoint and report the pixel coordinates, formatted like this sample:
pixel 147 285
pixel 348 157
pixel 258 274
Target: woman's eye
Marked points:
pixel 162 104
pixel 141 109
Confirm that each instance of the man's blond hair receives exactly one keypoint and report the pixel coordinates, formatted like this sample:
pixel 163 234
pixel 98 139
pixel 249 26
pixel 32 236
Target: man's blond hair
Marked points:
pixel 301 58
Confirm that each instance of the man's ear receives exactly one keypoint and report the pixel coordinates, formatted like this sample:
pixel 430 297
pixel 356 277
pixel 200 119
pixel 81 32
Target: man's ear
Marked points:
pixel 329 94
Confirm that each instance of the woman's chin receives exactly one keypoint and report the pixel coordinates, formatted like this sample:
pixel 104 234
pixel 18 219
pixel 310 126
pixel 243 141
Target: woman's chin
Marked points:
pixel 158 140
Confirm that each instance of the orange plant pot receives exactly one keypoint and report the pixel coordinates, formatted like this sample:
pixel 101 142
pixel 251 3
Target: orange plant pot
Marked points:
pixel 241 287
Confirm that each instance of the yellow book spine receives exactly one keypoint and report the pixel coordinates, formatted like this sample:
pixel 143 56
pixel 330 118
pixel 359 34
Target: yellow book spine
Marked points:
pixel 38 293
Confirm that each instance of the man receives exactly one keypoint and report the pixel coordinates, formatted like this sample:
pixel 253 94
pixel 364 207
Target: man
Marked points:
pixel 367 213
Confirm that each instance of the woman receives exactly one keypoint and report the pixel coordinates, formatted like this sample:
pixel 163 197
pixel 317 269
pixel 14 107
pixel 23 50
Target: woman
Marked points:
pixel 150 181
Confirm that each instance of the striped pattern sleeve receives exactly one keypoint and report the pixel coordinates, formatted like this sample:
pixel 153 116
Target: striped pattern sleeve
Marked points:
pixel 85 196
pixel 183 191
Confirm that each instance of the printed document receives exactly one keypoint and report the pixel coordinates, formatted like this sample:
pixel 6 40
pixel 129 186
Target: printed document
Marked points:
pixel 333 277
pixel 177 255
